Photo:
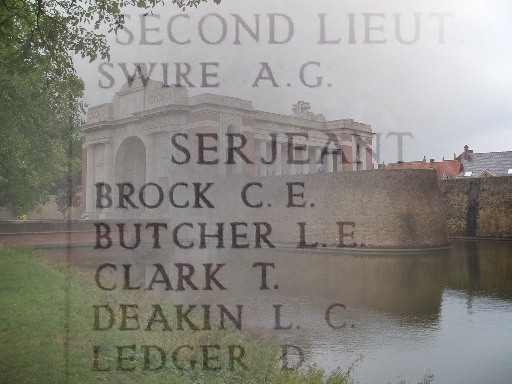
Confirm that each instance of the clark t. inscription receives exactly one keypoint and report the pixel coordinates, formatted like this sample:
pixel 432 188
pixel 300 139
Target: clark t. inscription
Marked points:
pixel 171 278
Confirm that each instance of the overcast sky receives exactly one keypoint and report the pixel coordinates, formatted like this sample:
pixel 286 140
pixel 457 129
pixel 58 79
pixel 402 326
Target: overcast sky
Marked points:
pixel 448 88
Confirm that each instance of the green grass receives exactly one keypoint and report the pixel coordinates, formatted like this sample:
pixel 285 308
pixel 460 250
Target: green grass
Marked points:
pixel 33 334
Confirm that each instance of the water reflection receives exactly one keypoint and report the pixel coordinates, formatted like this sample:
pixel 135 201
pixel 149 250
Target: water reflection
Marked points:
pixel 482 267
pixel 450 311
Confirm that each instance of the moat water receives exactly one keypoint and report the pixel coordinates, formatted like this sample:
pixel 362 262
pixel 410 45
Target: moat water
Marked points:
pixel 448 312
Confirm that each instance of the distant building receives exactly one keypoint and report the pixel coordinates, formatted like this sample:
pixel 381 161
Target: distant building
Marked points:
pixel 485 164
pixel 446 169
pixel 467 164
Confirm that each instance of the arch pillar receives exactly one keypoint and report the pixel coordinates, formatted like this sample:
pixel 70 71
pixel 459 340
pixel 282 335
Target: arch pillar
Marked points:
pixel 108 177
pixel 130 167
pixel 90 201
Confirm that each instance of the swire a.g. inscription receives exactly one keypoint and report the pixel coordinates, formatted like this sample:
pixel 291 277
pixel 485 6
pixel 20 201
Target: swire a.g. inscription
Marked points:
pixel 272 29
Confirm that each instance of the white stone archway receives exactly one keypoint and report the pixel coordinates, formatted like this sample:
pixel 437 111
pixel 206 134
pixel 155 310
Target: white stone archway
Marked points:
pixel 133 140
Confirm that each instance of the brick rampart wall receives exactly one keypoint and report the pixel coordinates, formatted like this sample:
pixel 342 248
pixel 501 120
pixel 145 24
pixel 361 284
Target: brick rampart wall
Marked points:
pixel 389 208
pixel 397 208
pixel 385 209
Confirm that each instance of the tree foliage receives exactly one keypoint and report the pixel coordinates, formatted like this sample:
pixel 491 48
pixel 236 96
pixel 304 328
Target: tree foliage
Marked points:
pixel 56 27
pixel 40 93
pixel 39 112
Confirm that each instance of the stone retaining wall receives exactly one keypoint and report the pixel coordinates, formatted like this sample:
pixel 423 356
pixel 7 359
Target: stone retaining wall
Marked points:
pixel 478 207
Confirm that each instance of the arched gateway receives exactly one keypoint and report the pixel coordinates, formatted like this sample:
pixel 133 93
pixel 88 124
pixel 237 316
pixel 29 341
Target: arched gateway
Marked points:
pixel 152 133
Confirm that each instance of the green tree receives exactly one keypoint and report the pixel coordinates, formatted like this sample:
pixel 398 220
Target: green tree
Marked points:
pixel 56 27
pixel 39 111
pixel 40 93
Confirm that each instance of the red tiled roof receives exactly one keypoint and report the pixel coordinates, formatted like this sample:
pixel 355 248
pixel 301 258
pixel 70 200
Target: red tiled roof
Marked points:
pixel 451 167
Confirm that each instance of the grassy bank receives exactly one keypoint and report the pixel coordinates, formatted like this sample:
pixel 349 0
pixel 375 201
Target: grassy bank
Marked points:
pixel 33 336
pixel 35 348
